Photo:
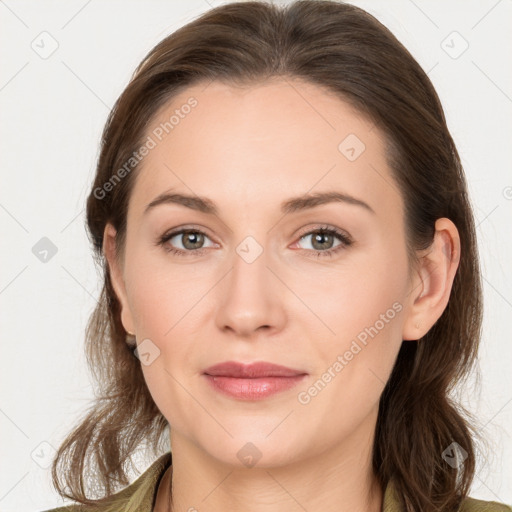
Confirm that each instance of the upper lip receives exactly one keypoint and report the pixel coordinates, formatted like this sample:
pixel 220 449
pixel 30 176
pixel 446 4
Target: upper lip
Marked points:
pixel 251 370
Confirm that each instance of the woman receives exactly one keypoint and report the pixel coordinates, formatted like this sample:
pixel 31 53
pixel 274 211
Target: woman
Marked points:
pixel 287 375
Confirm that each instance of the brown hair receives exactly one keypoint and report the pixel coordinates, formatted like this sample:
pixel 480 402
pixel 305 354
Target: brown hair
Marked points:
pixel 348 52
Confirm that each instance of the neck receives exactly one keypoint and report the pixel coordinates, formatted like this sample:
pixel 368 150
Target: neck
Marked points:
pixel 337 480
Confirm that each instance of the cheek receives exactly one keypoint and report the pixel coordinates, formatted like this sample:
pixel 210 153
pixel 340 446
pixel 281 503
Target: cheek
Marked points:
pixel 363 308
pixel 161 294
pixel 348 298
pixel 167 304
pixel 354 314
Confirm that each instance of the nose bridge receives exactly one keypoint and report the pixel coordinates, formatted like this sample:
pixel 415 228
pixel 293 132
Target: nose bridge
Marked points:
pixel 249 298
pixel 250 277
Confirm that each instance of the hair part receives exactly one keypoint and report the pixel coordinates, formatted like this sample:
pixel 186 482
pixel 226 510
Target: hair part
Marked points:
pixel 350 54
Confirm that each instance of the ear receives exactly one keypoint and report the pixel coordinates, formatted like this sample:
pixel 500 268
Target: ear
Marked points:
pixel 432 286
pixel 116 277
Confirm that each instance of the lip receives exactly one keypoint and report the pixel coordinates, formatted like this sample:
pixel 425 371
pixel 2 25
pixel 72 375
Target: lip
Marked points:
pixel 254 381
pixel 252 370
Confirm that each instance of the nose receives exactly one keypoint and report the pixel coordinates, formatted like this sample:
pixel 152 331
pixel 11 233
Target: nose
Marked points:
pixel 250 298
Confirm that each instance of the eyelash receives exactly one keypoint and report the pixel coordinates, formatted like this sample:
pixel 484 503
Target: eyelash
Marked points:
pixel 346 241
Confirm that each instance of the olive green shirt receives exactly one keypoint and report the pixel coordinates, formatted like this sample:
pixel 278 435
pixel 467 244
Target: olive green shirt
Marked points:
pixel 140 496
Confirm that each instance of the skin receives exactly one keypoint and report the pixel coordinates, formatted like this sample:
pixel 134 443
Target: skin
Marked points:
pixel 248 150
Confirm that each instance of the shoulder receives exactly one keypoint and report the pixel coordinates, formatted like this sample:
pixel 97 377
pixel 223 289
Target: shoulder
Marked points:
pixel 137 497
pixel 71 508
pixel 474 505
pixel 68 508
pixel 392 503
pixel 78 508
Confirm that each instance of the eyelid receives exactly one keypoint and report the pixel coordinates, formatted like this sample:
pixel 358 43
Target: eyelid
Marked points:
pixel 325 227
pixel 180 229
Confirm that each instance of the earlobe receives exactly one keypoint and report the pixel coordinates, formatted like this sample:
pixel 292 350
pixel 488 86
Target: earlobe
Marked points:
pixel 431 290
pixel 116 276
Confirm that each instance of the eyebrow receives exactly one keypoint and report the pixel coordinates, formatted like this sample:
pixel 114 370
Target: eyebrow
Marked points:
pixel 295 204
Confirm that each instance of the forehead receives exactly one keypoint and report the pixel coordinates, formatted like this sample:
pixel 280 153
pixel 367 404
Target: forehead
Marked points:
pixel 262 143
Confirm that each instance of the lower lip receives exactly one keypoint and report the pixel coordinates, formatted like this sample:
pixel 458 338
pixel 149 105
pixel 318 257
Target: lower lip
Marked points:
pixel 253 389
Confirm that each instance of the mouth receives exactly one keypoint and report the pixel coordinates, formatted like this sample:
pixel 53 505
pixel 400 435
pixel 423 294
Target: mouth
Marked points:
pixel 253 381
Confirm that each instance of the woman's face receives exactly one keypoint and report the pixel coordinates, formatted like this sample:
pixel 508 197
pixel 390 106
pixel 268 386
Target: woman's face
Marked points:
pixel 256 280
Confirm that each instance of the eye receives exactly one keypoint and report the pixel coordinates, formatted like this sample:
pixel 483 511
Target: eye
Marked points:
pixel 323 239
pixel 191 241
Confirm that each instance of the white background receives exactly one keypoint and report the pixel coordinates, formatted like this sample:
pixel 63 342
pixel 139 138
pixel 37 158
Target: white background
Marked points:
pixel 53 111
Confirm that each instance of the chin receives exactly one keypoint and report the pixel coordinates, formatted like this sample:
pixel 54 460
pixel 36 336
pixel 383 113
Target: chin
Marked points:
pixel 248 451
